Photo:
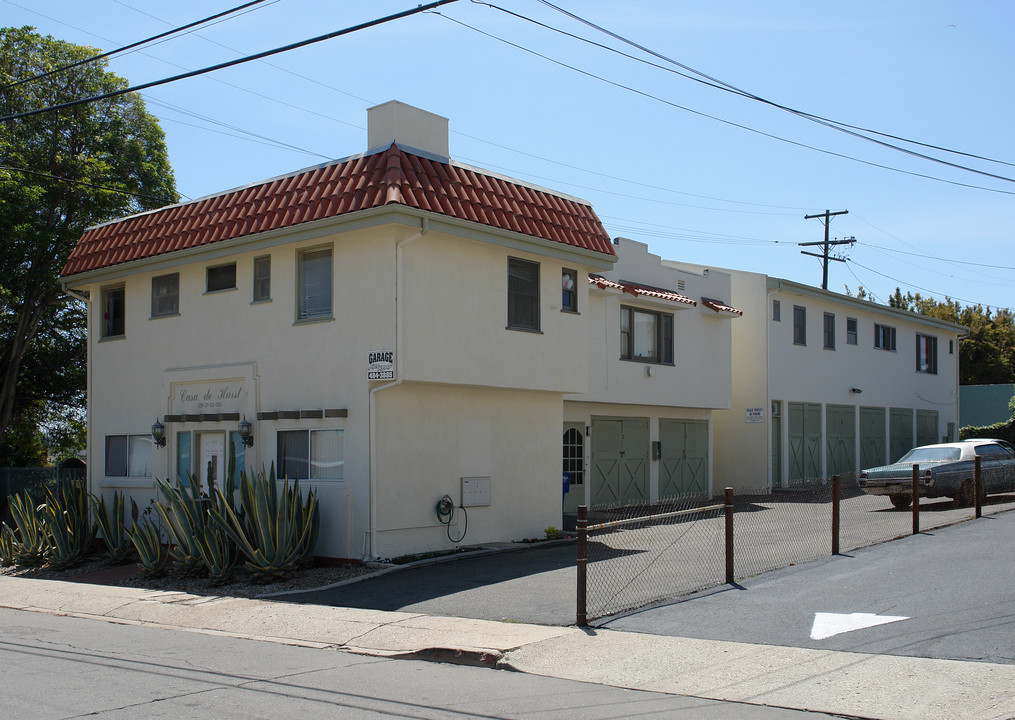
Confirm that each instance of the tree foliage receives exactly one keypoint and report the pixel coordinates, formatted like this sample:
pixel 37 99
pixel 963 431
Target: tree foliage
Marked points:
pixel 987 354
pixel 60 172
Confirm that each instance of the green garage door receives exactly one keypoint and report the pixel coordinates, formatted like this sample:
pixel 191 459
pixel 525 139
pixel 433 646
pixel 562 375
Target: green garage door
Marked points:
pixel 804 441
pixel 683 462
pixel 872 437
pixel 901 440
pixel 840 436
pixel 926 427
pixel 619 461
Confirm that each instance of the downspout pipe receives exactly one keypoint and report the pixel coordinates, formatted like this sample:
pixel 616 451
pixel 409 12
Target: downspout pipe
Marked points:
pixel 369 535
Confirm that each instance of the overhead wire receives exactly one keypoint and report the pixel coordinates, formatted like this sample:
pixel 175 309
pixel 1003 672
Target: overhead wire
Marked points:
pixel 85 183
pixel 232 63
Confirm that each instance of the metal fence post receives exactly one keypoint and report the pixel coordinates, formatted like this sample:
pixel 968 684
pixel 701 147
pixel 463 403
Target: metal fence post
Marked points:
pixel 583 537
pixel 978 485
pixel 729 535
pixel 916 499
pixel 835 515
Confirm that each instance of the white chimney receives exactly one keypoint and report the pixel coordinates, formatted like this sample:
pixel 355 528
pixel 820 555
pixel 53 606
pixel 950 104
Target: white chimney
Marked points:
pixel 410 127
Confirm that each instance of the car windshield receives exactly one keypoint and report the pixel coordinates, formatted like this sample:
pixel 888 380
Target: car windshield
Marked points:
pixel 932 454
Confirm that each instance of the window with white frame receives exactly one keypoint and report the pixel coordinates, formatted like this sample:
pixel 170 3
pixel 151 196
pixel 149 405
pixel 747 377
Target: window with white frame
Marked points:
pixel 315 270
pixel 221 277
pixel 311 454
pixel 113 317
pixel 129 455
pixel 568 290
pixel 851 331
pixel 166 295
pixel 646 335
pixel 776 311
pixel 799 325
pixel 926 354
pixel 262 278
pixel 523 295
pixel 884 337
pixel 829 331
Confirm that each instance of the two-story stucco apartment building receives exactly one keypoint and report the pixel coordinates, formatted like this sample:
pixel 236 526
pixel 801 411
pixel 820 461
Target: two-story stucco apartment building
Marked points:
pixel 392 328
pixel 827 384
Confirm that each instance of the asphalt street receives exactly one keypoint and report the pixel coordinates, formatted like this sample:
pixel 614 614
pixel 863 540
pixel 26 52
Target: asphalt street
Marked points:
pixel 72 667
pixel 954 585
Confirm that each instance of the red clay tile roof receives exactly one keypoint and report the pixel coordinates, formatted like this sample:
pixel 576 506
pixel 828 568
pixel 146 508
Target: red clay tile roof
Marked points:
pixel 637 289
pixel 720 307
pixel 384 178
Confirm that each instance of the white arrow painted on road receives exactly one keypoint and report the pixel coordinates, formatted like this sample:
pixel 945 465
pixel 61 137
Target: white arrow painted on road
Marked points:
pixel 828 624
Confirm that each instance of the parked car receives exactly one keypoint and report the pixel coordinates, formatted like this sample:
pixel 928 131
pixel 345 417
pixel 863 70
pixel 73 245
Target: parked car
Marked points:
pixel 946 470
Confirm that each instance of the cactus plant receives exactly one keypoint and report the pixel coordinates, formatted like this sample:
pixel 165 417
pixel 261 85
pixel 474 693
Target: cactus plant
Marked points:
pixel 147 540
pixel 30 543
pixel 67 520
pixel 7 541
pixel 110 523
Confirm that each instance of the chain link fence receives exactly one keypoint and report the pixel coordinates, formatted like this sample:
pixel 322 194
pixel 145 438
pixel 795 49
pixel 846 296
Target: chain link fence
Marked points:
pixel 640 554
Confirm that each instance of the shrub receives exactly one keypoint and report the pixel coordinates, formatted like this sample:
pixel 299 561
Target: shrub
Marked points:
pixel 147 540
pixel 67 522
pixel 29 542
pixel 110 523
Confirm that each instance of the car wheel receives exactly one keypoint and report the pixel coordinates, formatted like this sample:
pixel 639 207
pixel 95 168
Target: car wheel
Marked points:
pixel 966 496
pixel 901 502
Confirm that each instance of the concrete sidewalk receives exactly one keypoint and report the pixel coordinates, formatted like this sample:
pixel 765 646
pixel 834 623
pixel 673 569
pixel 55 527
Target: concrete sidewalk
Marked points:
pixel 852 684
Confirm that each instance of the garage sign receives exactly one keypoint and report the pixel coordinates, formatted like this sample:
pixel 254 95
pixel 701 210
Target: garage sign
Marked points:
pixel 381 365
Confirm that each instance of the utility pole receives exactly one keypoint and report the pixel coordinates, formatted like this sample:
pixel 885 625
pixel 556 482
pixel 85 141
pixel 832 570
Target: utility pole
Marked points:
pixel 826 217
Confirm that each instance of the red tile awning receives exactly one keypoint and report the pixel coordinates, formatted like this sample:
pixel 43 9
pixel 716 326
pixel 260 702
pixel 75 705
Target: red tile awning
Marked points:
pixel 637 289
pixel 720 308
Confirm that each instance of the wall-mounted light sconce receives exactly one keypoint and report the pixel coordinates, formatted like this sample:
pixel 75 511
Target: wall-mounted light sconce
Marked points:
pixel 855 391
pixel 244 430
pixel 159 434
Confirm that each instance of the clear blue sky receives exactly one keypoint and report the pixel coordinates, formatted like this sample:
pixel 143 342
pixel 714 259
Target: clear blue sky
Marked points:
pixel 694 188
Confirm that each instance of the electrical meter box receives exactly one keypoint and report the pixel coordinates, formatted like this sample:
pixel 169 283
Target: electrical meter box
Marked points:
pixel 475 491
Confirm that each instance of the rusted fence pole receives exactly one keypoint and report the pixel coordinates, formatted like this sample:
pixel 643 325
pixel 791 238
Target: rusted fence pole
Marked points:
pixel 835 514
pixel 916 499
pixel 729 535
pixel 583 544
pixel 978 485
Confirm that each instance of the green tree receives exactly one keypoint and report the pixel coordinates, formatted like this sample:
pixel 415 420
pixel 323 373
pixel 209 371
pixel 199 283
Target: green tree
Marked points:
pixel 60 172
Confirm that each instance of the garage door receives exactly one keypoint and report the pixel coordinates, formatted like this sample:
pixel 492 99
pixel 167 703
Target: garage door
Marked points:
pixel 872 437
pixel 840 434
pixel 926 427
pixel 804 441
pixel 683 461
pixel 620 451
pixel 901 440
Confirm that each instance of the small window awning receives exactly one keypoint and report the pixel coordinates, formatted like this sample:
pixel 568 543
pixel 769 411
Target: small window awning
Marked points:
pixel 639 290
pixel 718 308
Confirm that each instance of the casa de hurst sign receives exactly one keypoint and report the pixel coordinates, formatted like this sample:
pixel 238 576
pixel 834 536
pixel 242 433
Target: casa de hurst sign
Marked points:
pixel 209 397
pixel 381 365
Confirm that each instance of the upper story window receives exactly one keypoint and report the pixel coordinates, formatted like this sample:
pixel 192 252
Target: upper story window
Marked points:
pixel 568 290
pixel 128 455
pixel 523 295
pixel 851 331
pixel 646 335
pixel 799 325
pixel 166 295
pixel 926 354
pixel 829 331
pixel 262 278
pixel 884 337
pixel 221 277
pixel 776 311
pixel 113 323
pixel 315 268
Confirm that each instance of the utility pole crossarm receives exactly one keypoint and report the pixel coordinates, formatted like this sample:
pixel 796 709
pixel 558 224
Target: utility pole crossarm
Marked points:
pixel 826 218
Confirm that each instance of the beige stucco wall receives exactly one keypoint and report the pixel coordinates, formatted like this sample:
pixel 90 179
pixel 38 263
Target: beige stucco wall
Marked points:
pixel 431 436
pixel 453 337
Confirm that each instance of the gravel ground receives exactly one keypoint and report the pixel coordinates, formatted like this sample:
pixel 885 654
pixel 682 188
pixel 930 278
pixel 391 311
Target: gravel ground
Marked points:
pixel 101 571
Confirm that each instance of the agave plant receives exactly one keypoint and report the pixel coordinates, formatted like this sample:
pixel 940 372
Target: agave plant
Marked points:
pixel 276 528
pixel 67 519
pixel 184 516
pixel 147 540
pixel 110 522
pixel 30 544
pixel 7 541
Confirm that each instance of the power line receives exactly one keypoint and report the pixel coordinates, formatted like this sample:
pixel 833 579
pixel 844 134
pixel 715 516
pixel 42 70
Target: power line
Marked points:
pixel 941 259
pixel 722 85
pixel 232 63
pixel 139 43
pixel 719 119
pixel 69 181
